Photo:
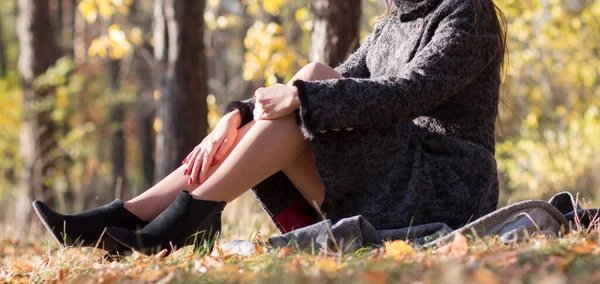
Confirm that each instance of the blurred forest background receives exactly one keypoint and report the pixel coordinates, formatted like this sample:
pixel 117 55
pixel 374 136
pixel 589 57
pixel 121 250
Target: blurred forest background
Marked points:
pixel 100 98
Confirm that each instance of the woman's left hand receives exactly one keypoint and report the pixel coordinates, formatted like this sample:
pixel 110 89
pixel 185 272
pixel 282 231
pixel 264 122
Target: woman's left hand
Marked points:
pixel 275 102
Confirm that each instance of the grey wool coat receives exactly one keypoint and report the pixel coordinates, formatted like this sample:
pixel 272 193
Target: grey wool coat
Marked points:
pixel 406 137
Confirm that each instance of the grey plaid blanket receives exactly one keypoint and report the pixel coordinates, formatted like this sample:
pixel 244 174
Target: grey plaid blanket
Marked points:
pixel 560 215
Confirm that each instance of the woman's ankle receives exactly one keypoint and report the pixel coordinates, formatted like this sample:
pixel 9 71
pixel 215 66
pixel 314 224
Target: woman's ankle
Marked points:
pixel 134 209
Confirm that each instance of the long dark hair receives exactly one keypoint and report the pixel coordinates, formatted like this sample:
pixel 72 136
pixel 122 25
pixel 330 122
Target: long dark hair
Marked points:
pixel 499 26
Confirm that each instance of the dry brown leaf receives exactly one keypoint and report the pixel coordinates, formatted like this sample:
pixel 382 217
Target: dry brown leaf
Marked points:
pixel 291 267
pixel 218 252
pixel 152 275
pixel 9 251
pixel 563 262
pixel 210 261
pixel 485 276
pixel 259 249
pixel 21 267
pixel 587 248
pixel 167 278
pixel 459 246
pixel 375 277
pixel 159 256
pixel 284 251
pixel 502 258
pixel 248 276
pixel 61 275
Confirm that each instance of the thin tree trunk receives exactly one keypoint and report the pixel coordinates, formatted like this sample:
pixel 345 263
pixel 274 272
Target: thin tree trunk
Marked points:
pixel 117 140
pixel 181 110
pixel 336 30
pixel 59 27
pixel 3 67
pixel 146 112
pixel 73 27
pixel 79 34
pixel 146 106
pixel 36 42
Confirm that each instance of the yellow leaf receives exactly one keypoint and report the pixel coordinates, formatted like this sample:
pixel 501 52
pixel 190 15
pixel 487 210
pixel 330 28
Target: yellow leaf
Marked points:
pixel 302 14
pixel 327 265
pixel 88 10
pixel 136 36
pixel 398 249
pixel 485 276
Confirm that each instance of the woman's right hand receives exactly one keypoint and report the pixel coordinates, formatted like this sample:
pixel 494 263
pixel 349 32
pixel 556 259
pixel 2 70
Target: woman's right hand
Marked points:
pixel 213 148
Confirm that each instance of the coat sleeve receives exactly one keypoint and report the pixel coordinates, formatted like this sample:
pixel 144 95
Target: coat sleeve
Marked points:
pixel 356 64
pixel 454 56
pixel 246 108
pixel 354 67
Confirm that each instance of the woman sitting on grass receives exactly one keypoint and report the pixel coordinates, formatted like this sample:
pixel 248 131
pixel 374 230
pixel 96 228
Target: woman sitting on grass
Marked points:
pixel 401 133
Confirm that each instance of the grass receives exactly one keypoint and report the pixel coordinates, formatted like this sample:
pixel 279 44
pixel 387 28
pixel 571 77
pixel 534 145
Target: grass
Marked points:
pixel 570 259
pixel 573 258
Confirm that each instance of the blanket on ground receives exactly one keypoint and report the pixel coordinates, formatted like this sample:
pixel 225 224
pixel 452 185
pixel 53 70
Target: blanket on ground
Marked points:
pixel 560 215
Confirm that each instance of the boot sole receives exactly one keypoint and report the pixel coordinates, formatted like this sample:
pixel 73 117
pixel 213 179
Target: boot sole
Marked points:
pixel 117 251
pixel 119 242
pixel 50 229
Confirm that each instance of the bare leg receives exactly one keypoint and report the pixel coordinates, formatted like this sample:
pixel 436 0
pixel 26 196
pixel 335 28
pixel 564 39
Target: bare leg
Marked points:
pixel 270 146
pixel 261 149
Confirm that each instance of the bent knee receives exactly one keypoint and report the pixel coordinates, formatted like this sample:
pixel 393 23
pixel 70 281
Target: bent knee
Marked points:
pixel 318 71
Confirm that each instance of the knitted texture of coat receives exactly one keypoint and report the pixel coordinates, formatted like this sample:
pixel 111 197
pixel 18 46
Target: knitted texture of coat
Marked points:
pixel 407 136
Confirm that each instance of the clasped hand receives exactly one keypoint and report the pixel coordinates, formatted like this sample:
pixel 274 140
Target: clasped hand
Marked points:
pixel 270 103
pixel 275 102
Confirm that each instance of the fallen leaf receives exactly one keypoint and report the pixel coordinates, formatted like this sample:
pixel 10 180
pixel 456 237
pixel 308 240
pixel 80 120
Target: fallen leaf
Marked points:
pixel 167 278
pixel 159 256
pixel 21 267
pixel 485 276
pixel 61 275
pixel 326 265
pixel 259 249
pixel 587 248
pixel 459 246
pixel 398 249
pixel 152 275
pixel 502 259
pixel 375 277
pixel 284 251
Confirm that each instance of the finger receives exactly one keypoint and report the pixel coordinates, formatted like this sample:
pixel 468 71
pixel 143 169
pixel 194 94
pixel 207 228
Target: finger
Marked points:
pixel 205 166
pixel 224 149
pixel 208 159
pixel 189 156
pixel 190 161
pixel 197 165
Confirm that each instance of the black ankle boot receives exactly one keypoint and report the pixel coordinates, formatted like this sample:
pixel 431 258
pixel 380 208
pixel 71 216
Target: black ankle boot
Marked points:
pixel 185 221
pixel 85 229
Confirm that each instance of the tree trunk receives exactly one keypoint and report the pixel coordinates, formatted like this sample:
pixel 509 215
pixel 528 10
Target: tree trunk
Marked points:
pixel 336 30
pixel 181 109
pixel 79 34
pixel 3 67
pixel 145 116
pixel 146 106
pixel 117 138
pixel 36 42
